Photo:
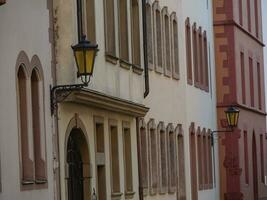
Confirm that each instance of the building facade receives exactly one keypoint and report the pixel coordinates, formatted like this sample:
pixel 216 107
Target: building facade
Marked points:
pixel 177 160
pixel 97 126
pixel 240 82
pixel 26 170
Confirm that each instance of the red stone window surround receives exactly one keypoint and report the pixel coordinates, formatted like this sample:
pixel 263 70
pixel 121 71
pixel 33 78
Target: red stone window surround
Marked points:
pixel 31 122
pixel 246 161
pixel 256 17
pixel 251 79
pixel 259 86
pixel 241 12
pixel 262 158
pixel 188 51
pixel 2 2
pixel 243 77
pixel 249 15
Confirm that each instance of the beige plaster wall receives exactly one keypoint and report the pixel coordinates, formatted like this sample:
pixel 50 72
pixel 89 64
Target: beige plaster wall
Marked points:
pixel 24 26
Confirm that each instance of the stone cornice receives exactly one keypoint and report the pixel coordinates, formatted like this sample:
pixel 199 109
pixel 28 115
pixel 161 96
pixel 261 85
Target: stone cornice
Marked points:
pixel 99 100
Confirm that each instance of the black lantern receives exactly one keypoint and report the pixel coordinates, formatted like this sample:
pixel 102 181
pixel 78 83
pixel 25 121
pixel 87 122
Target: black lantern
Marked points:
pixel 232 115
pixel 85 53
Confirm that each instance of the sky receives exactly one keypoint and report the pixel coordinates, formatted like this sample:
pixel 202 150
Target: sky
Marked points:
pixel 264 23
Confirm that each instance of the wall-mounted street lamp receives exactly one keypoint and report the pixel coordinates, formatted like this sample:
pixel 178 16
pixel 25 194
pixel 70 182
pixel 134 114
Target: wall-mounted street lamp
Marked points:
pixel 84 53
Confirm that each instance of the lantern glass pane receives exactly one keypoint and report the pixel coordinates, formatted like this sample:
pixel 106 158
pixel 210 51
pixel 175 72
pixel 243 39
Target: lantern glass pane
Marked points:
pixel 80 61
pixel 89 61
pixel 232 117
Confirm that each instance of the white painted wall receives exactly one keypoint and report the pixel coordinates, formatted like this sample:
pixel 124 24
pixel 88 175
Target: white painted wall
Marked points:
pixel 24 26
pixel 175 101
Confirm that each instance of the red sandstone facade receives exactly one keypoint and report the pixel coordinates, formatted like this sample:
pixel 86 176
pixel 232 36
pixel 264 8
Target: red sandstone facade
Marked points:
pixel 240 82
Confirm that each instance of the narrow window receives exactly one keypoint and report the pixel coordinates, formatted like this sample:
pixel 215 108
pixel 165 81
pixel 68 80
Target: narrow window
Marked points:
pixel 115 168
pixel 172 162
pixel 89 20
pixel 243 79
pixel 200 57
pixel 181 169
pixel 128 158
pixel 109 27
pixel 259 84
pixel 251 77
pixel 100 154
pixel 210 162
pixel 158 39
pixel 149 35
pixel 262 159
pixel 188 51
pixel 36 87
pixel 256 17
pixel 206 166
pixel 241 12
pixel 246 157
pixel 135 34
pixel 167 44
pixel 200 161
pixel 153 156
pixel 143 145
pixel 205 62
pixel 175 47
pixel 163 157
pixel 27 163
pixel 195 56
pixel 193 164
pixel 123 30
pixel 249 15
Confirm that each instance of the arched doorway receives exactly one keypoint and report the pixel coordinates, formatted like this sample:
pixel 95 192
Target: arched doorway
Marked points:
pixel 78 182
pixel 255 167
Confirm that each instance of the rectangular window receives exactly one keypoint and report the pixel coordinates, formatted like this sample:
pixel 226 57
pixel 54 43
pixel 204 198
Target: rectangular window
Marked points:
pixel 144 156
pixel 188 51
pixel 123 30
pixel 90 20
pixel 205 161
pixel 149 35
pixel 114 153
pixel 246 157
pixel 109 27
pixel 262 159
pixel 175 49
pixel 195 56
pixel 158 39
pixel 243 78
pixel 167 45
pixel 241 12
pixel 181 169
pixel 249 15
pixel 200 58
pixel 163 161
pixel 172 162
pixel 251 77
pixel 193 165
pixel 200 162
pixel 153 160
pixel 256 17
pixel 210 162
pixel 127 157
pixel 259 84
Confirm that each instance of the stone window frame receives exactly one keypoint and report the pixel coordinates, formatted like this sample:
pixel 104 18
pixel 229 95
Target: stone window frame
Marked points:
pixel 172 172
pixel 166 36
pixel 157 26
pixel 143 125
pixel 149 7
pixel 181 183
pixel 151 127
pixel 195 54
pixel 175 51
pixel 129 194
pixel 110 41
pixel 205 61
pixel 205 160
pixel 188 41
pixel 200 58
pixel 28 170
pixel 200 159
pixel 135 34
pixel 161 131
pixel 210 160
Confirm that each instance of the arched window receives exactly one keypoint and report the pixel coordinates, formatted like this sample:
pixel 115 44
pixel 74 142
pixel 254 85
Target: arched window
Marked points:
pixel 167 44
pixel 150 43
pixel 171 158
pixel 38 134
pixel 195 55
pixel 163 157
pixel 158 36
pixel 135 33
pixel 27 163
pixel 188 51
pixel 175 48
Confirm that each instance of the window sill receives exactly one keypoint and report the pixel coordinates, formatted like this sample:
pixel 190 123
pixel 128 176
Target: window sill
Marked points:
pixel 137 69
pixel 40 181
pixel 129 194
pixel 111 58
pixel 116 195
pixel 124 64
pixel 27 182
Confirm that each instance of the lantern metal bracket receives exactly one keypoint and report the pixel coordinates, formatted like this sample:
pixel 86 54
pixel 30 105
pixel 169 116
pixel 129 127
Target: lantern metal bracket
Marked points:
pixel 60 92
